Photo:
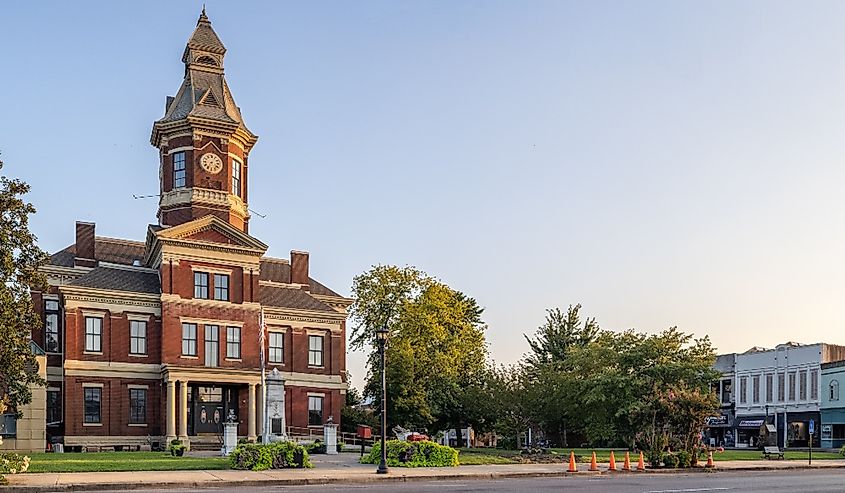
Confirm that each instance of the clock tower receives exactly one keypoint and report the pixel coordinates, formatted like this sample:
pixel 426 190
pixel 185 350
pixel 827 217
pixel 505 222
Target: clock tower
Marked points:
pixel 203 142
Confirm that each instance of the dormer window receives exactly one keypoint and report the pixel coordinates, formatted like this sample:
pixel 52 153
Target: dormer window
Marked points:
pixel 207 60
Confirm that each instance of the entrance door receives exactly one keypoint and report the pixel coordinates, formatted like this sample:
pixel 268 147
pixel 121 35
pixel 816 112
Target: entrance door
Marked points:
pixel 208 410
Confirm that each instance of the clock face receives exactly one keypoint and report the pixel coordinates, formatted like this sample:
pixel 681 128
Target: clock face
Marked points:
pixel 211 163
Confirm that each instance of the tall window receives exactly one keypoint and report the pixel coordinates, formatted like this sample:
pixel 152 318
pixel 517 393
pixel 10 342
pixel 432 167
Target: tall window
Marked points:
pixel 814 385
pixel 802 385
pixel 201 285
pixel 781 387
pixel 277 347
pixel 726 391
pixel 54 406
pixel 770 384
pixel 189 339
pixel 233 342
pixel 93 396
pixel 315 410
pixel 315 350
pixel 137 337
pixel 743 390
pixel 755 389
pixel 236 178
pixel 137 406
pixel 834 390
pixel 51 326
pixel 792 386
pixel 178 170
pixel 212 345
pixel 93 334
pixel 221 287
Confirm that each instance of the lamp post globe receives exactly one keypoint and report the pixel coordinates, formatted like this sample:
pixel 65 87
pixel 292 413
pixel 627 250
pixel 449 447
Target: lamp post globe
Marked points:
pixel 381 336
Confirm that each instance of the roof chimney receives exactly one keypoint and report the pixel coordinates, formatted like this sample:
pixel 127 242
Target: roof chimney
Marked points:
pixel 299 268
pixel 84 245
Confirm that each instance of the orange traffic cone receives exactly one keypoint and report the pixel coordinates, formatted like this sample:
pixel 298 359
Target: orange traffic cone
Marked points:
pixel 641 464
pixel 710 460
pixel 612 462
pixel 572 466
pixel 626 466
pixel 593 465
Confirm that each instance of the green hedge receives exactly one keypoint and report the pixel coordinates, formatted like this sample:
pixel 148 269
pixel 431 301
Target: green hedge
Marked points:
pixel 278 455
pixel 413 454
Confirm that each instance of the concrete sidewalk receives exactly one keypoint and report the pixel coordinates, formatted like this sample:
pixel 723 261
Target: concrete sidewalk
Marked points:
pixel 338 470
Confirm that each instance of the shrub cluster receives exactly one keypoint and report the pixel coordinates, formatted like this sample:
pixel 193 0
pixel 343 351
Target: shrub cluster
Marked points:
pixel 681 458
pixel 413 454
pixel 12 463
pixel 278 455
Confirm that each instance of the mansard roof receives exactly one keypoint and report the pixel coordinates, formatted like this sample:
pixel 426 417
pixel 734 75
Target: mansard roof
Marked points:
pixel 294 298
pixel 120 279
pixel 111 250
pixel 204 98
pixel 278 270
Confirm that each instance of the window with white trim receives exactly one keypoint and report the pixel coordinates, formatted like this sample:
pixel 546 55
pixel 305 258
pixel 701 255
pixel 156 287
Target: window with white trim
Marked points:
pixel 221 287
pixel 236 177
pixel 189 339
pixel 137 337
pixel 315 350
pixel 212 346
pixel 178 169
pixel 93 399
pixel 315 410
pixel 814 385
pixel 52 343
pixel 93 334
pixel 743 390
pixel 802 385
pixel 233 342
pixel 137 406
pixel 277 347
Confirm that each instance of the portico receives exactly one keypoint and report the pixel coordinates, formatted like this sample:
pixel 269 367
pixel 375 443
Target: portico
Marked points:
pixel 200 400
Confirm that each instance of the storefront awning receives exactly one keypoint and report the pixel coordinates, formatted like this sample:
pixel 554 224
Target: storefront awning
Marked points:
pixel 749 423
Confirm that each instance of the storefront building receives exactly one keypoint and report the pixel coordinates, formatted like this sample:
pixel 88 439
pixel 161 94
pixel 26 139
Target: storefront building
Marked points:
pixel 832 408
pixel 719 428
pixel 781 386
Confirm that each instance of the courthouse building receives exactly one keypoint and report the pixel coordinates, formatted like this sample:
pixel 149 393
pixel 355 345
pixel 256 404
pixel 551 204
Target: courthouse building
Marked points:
pixel 158 339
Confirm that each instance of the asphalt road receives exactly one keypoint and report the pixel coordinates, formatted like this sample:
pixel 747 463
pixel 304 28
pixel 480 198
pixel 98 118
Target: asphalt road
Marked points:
pixel 764 481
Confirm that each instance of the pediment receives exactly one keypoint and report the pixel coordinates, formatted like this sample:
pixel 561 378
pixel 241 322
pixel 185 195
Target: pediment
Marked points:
pixel 211 229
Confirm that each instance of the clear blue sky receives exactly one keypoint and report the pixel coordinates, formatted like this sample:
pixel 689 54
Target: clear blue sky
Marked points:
pixel 663 163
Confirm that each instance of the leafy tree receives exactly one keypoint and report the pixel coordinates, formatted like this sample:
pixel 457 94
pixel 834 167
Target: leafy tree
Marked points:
pixel 436 348
pixel 558 334
pixel 353 414
pixel 20 259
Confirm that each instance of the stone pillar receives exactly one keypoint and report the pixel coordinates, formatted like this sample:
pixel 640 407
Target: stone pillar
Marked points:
pixel 251 415
pixel 259 411
pixel 183 411
pixel 171 411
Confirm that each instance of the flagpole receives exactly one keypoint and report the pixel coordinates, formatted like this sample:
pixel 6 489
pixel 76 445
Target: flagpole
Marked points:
pixel 265 432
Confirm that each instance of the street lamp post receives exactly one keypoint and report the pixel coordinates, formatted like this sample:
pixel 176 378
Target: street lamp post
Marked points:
pixel 381 335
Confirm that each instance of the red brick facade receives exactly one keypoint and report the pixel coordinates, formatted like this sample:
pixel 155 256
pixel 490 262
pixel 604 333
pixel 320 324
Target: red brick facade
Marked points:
pixel 160 339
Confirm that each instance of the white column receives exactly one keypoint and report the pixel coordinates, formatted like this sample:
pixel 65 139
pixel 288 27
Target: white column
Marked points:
pixel 171 411
pixel 259 412
pixel 251 420
pixel 183 409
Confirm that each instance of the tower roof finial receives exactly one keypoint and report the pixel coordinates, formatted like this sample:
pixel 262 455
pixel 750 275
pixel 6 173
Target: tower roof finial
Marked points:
pixel 203 17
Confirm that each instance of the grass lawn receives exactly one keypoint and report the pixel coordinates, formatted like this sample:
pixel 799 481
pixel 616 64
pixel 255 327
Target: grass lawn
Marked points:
pixel 479 456
pixel 121 461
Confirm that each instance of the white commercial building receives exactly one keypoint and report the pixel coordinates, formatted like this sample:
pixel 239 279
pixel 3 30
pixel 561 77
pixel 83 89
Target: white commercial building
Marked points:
pixel 780 387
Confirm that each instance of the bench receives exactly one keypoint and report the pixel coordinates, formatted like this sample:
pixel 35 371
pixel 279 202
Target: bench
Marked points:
pixel 772 452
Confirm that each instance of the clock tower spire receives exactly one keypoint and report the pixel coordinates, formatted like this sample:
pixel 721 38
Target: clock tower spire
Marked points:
pixel 203 142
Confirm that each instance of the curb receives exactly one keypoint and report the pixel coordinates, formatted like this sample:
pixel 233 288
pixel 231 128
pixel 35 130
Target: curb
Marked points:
pixel 390 478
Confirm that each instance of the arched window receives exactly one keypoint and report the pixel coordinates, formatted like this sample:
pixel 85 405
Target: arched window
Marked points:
pixel 207 60
pixel 834 390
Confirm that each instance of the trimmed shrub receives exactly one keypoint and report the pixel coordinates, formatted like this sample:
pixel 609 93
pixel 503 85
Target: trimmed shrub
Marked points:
pixel 670 460
pixel 684 459
pixel 413 454
pixel 277 455
pixel 12 463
